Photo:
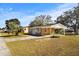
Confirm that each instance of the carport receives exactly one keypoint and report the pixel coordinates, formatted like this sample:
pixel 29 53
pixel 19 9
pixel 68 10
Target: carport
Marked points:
pixel 60 26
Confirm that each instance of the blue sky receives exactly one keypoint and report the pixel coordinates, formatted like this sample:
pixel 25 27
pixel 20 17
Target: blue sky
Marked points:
pixel 26 12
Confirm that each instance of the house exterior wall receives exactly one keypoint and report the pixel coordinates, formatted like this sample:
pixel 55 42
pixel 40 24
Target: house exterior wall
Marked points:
pixel 26 30
pixel 41 31
pixel 45 31
pixel 34 31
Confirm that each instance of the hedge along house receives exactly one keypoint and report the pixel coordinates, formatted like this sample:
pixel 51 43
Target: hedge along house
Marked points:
pixel 47 30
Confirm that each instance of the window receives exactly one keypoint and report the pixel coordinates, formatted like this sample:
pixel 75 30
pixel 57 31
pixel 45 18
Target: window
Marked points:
pixel 45 29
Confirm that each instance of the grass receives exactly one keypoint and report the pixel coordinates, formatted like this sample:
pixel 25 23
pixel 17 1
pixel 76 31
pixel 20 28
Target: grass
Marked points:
pixel 5 34
pixel 62 46
pixel 10 35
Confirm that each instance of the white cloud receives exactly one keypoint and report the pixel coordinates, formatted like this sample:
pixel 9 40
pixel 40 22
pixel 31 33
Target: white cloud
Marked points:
pixel 54 13
pixel 25 19
pixel 1 9
pixel 9 9
pixel 58 11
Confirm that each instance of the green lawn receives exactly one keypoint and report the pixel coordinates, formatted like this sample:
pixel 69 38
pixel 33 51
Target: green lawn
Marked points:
pixel 5 34
pixel 10 35
pixel 65 45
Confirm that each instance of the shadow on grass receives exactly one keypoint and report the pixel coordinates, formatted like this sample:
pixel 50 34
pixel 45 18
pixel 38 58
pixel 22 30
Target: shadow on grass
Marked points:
pixel 37 35
pixel 8 36
pixel 54 36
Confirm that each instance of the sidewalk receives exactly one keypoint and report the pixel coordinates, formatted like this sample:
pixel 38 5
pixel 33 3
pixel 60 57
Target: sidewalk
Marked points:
pixel 4 51
pixel 25 37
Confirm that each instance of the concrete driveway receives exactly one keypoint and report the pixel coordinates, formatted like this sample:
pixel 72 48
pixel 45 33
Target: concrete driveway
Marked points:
pixel 4 51
pixel 25 37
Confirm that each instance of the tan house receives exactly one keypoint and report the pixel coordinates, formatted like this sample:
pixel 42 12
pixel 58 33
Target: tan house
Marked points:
pixel 47 30
pixel 26 30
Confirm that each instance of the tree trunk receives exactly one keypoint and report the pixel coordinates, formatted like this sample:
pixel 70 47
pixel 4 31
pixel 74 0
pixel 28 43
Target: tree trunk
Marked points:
pixel 16 34
pixel 75 27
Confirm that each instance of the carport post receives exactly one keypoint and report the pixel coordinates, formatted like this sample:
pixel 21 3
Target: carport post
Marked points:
pixel 64 31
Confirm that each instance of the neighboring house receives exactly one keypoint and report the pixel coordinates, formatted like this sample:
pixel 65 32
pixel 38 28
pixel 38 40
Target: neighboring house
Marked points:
pixel 26 30
pixel 1 31
pixel 70 31
pixel 47 30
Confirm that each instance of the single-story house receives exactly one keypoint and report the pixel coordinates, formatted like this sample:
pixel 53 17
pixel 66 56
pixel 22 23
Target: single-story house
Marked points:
pixel 26 30
pixel 47 30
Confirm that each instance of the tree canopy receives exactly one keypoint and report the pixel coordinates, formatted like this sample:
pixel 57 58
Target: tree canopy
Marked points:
pixel 70 18
pixel 13 25
pixel 42 20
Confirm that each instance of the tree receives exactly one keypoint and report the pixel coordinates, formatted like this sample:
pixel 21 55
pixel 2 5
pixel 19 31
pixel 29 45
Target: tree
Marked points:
pixel 13 26
pixel 76 19
pixel 42 20
pixel 70 18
